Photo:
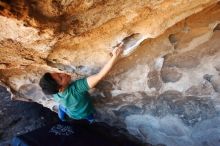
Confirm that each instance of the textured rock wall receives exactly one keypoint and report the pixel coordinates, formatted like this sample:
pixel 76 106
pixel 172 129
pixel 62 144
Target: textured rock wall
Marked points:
pixel 166 92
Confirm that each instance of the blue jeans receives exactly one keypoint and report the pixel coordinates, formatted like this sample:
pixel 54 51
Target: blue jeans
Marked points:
pixel 62 115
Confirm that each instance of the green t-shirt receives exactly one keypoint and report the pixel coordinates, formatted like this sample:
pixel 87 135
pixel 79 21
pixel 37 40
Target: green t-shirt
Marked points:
pixel 76 99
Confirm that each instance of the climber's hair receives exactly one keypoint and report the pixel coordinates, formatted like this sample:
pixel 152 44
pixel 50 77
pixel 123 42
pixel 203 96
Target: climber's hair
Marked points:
pixel 48 84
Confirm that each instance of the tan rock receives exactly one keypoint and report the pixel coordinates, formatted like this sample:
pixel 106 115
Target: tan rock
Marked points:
pixel 154 80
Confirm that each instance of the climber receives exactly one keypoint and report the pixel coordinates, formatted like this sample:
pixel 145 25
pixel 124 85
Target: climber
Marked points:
pixel 73 97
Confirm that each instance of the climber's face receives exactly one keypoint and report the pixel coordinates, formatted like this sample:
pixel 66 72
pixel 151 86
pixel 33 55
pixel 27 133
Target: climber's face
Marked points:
pixel 62 79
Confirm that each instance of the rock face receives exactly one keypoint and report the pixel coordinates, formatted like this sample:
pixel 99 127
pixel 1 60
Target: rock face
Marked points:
pixel 170 74
pixel 18 117
pixel 166 92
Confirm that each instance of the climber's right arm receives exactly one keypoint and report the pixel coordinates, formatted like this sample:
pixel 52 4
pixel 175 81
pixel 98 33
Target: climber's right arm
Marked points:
pixel 94 79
